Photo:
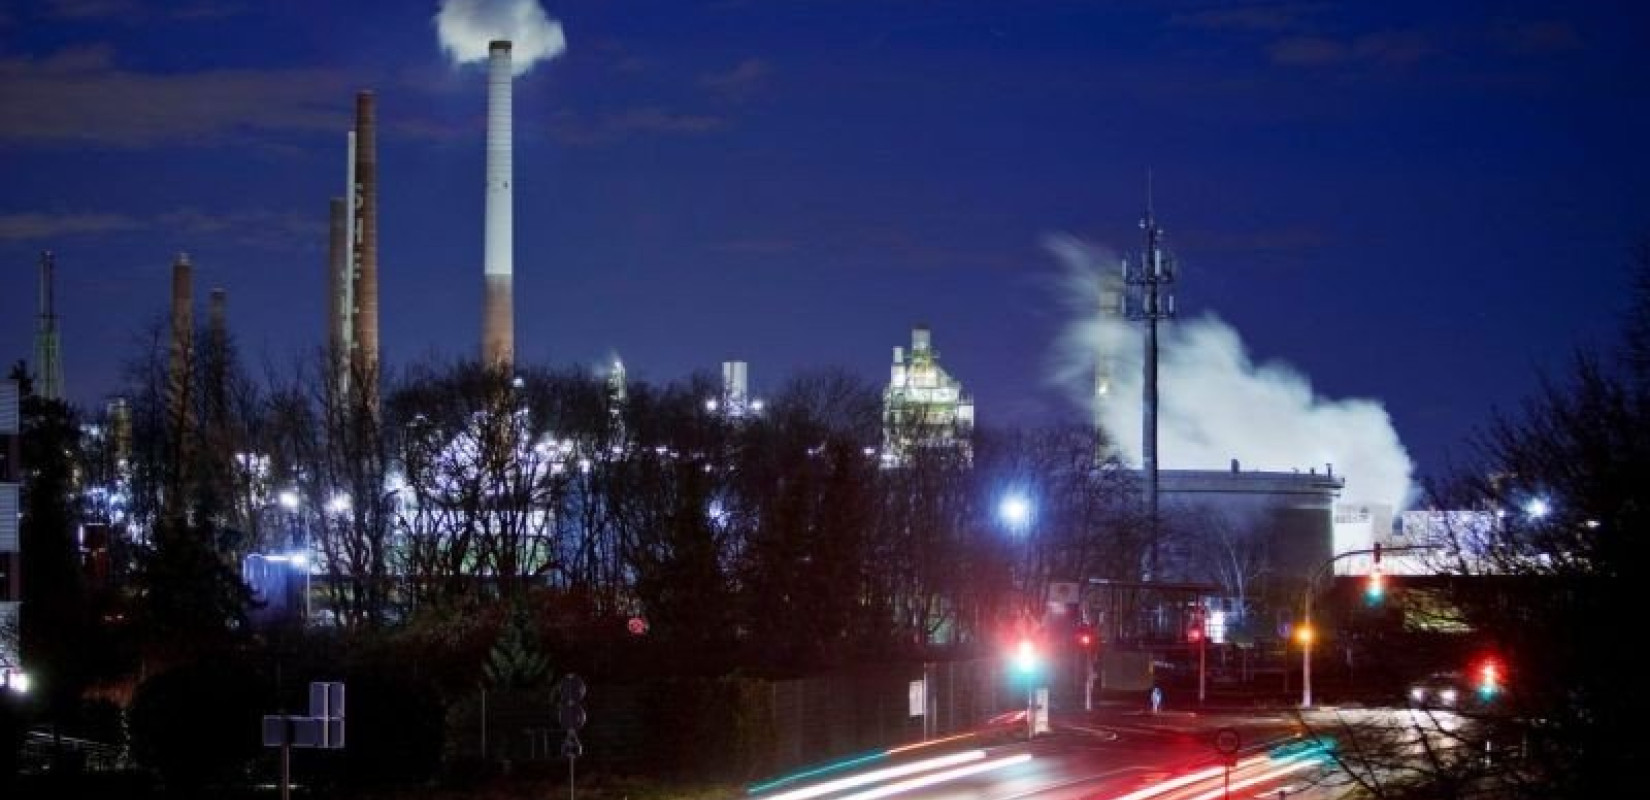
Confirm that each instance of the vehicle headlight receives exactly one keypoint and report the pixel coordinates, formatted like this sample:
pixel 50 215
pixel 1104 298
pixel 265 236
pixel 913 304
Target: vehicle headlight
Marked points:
pixel 1417 694
pixel 1448 696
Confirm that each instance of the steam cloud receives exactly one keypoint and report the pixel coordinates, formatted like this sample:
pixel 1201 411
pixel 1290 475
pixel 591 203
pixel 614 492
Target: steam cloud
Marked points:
pixel 1215 402
pixel 467 27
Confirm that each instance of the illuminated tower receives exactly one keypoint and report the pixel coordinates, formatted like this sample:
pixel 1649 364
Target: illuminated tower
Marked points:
pixel 48 361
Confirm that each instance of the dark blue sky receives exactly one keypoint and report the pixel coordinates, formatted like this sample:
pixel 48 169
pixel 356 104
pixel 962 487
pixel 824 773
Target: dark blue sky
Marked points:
pixel 1421 203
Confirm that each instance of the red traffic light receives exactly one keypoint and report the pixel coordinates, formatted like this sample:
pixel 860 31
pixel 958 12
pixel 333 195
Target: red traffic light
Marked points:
pixel 1086 637
pixel 1488 675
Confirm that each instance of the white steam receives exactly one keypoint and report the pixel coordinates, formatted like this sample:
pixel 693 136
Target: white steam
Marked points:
pixel 1215 402
pixel 467 27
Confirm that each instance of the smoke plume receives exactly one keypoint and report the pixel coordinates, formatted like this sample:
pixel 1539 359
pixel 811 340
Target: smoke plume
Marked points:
pixel 1215 402
pixel 466 27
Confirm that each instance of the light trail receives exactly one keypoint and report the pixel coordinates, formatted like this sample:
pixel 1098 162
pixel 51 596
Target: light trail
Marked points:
pixel 1184 780
pixel 877 776
pixel 1265 776
pixel 834 766
pixel 939 777
pixel 930 743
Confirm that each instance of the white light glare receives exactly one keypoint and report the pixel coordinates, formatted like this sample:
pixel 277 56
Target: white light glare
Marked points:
pixel 1537 508
pixel 339 503
pixel 288 499
pixel 1015 510
pixel 17 682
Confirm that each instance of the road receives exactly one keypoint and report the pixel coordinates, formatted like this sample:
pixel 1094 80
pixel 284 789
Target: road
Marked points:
pixel 1107 755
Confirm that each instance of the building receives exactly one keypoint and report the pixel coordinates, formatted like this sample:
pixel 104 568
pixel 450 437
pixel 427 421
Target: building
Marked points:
pixel 924 407
pixel 1288 517
pixel 11 561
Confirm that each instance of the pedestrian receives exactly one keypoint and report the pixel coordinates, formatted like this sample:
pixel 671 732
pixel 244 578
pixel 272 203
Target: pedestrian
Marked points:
pixel 1157 699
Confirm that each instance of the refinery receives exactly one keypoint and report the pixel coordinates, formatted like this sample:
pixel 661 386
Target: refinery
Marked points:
pixel 302 522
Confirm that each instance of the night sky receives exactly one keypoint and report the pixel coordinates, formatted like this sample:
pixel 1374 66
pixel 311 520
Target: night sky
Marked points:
pixel 1422 204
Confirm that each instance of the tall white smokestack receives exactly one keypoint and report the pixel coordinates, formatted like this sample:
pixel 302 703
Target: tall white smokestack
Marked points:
pixel 498 314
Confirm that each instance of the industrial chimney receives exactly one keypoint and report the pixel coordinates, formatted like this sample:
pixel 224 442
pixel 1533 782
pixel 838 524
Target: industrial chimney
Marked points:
pixel 498 315
pixel 339 325
pixel 183 345
pixel 365 249
pixel 48 359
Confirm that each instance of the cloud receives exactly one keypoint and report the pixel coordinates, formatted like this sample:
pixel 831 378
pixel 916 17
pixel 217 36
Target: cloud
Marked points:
pixel 77 96
pixel 738 83
pixel 132 11
pixel 272 230
pixel 1293 239
pixel 1216 403
pixel 466 28
pixel 573 129
pixel 1395 48
pixel 1535 37
pixel 93 9
pixel 261 228
pixel 25 227
pixel 755 247
pixel 1269 17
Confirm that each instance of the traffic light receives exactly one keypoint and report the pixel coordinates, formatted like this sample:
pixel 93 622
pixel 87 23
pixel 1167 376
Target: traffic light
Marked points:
pixel 1025 657
pixel 1375 588
pixel 1086 637
pixel 1488 676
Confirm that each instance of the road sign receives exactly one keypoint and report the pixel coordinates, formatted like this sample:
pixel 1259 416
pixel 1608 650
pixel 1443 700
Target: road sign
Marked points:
pixel 572 691
pixel 326 699
pixel 572 688
pixel 291 731
pixel 1227 741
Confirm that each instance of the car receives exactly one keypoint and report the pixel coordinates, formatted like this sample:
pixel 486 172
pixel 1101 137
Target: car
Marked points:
pixel 1440 690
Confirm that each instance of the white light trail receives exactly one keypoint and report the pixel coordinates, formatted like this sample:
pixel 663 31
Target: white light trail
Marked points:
pixel 877 776
pixel 939 777
pixel 1184 780
pixel 1265 776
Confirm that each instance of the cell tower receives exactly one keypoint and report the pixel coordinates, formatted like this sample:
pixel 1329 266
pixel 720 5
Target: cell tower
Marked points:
pixel 49 360
pixel 1150 279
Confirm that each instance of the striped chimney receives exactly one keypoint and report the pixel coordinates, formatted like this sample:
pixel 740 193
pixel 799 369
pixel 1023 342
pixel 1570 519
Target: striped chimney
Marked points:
pixel 498 314
pixel 365 314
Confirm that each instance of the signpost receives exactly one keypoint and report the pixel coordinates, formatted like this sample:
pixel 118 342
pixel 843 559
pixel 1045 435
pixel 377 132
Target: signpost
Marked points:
pixel 322 728
pixel 1228 742
pixel 572 717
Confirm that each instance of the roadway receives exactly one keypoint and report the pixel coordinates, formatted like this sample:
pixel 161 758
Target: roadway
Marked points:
pixel 1111 754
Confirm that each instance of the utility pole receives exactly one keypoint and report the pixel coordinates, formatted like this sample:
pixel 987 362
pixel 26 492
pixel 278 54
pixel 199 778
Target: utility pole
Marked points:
pixel 1150 280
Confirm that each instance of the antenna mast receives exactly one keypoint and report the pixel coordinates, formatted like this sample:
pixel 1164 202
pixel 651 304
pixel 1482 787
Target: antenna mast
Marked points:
pixel 1150 280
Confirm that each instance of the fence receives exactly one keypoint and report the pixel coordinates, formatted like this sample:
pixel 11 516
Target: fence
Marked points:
pixel 737 728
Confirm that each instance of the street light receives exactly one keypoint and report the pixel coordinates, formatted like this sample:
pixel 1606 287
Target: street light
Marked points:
pixel 1015 510
pixel 1537 508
